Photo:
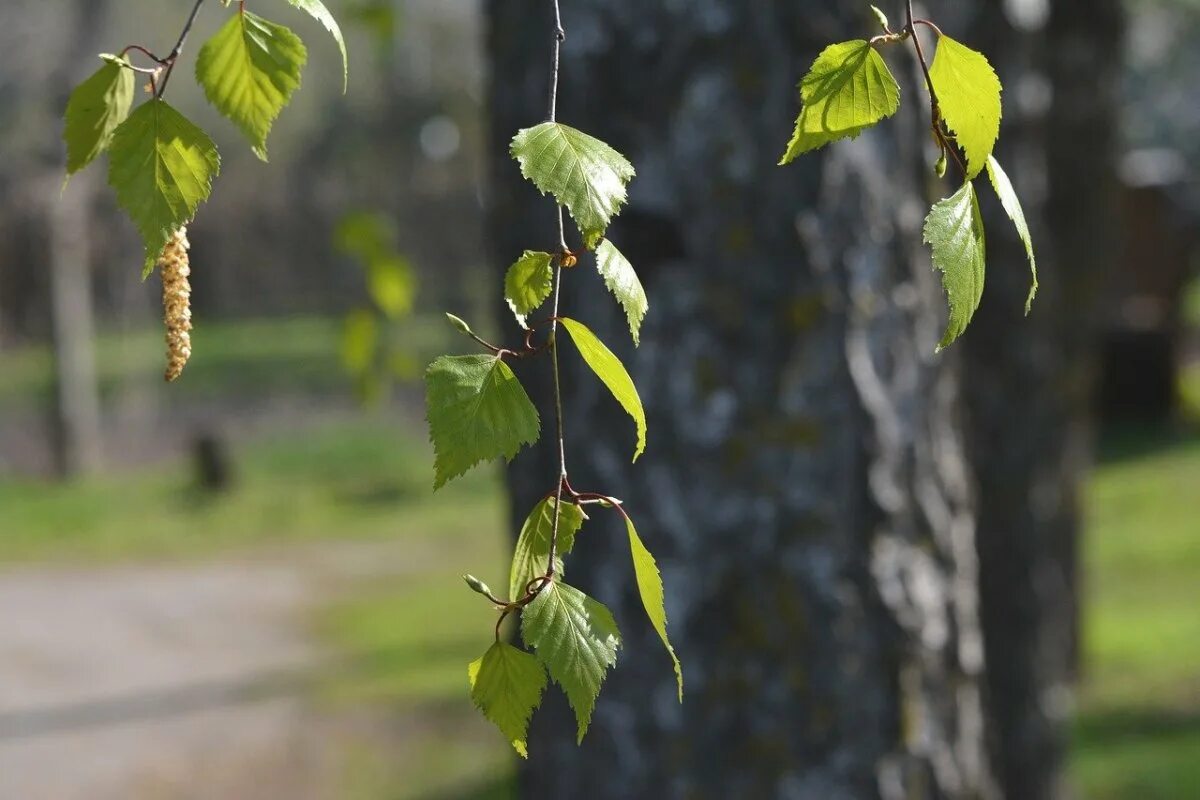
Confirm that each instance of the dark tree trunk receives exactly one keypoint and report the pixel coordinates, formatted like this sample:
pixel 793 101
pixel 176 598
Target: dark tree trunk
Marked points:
pixel 1029 447
pixel 805 487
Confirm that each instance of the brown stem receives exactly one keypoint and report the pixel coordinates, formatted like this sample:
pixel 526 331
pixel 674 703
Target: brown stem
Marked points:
pixel 171 59
pixel 935 111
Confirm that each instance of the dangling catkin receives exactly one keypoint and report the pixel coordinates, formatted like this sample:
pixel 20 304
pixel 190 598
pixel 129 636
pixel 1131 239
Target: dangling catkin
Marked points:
pixel 177 309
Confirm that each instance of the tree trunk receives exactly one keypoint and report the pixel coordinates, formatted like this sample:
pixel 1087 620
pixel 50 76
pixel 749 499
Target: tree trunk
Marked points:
pixel 1029 448
pixel 78 448
pixel 805 488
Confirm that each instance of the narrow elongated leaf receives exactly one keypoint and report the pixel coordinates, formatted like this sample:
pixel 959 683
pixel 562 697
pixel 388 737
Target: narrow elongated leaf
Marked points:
pixel 249 71
pixel 161 167
pixel 650 587
pixel 320 13
pixel 848 89
pixel 955 230
pixel 612 374
pixel 528 283
pixel 507 685
pixel 577 639
pixel 96 108
pixel 581 172
pixel 1012 206
pixel 968 93
pixel 477 411
pixel 622 281
pixel 533 545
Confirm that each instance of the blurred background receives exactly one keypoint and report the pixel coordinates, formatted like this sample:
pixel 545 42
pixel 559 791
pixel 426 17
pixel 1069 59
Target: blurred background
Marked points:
pixel 242 585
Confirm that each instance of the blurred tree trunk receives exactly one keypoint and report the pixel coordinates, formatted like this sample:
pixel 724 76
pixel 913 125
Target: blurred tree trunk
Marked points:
pixel 78 448
pixel 1030 447
pixel 805 488
pixel 77 438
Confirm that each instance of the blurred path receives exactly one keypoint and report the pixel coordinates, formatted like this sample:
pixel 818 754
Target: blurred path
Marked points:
pixel 172 682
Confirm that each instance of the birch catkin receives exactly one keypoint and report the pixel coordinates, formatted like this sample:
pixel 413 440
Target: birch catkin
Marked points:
pixel 177 309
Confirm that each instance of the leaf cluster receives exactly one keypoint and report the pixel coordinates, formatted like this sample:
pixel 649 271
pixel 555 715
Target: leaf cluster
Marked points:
pixel 849 89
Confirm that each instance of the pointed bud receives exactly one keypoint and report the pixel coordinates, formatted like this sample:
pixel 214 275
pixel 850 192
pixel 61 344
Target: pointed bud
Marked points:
pixel 940 166
pixel 477 585
pixel 459 324
pixel 881 18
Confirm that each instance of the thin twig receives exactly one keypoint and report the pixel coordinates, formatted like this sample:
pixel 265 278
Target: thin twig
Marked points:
pixel 560 36
pixel 171 59
pixel 935 111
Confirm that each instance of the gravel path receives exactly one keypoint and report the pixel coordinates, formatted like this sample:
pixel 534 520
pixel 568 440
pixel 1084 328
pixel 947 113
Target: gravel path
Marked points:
pixel 165 682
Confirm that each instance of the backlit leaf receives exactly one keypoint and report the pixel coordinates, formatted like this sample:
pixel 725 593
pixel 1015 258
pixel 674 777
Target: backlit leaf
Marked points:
pixel 650 587
pixel 528 283
pixel 321 14
pixel 612 374
pixel 1012 206
pixel 581 172
pixel 477 411
pixel 848 89
pixel 161 167
pixel 96 108
pixel 968 93
pixel 621 279
pixel 507 685
pixel 532 553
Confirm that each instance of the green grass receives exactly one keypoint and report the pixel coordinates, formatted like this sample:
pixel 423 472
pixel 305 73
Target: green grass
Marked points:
pixel 1138 731
pixel 355 479
pixel 230 358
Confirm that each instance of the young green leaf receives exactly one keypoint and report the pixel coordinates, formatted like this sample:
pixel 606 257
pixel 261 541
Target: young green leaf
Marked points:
pixel 881 18
pixel 581 172
pixel 968 94
pixel 477 410
pixel 528 283
pixel 249 71
pixel 507 685
pixel 161 167
pixel 622 281
pixel 650 587
pixel 577 639
pixel 320 13
pixel 612 373
pixel 96 108
pixel 533 546
pixel 848 89
pixel 955 230
pixel 1012 206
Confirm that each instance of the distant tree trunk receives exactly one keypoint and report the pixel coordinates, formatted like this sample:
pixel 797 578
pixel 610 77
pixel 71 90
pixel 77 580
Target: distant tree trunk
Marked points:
pixel 805 488
pixel 1029 382
pixel 78 447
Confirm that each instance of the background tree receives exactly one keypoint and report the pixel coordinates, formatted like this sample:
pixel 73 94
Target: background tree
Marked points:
pixel 1030 447
pixel 805 487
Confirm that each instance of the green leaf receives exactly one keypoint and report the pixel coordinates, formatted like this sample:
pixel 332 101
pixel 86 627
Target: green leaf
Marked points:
pixel 1012 206
pixel 533 546
pixel 161 167
pixel 249 71
pixel 650 587
pixel 623 282
pixel 612 373
pixel 848 89
pixel 955 230
pixel 968 93
pixel 96 108
pixel 577 639
pixel 477 411
pixel 581 172
pixel 321 14
pixel 507 685
pixel 528 283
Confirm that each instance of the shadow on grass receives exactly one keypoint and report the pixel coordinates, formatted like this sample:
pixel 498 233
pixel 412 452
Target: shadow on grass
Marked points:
pixel 1131 442
pixel 1138 754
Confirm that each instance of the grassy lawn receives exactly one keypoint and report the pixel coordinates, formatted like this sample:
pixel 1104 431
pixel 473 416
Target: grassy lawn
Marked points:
pixel 361 479
pixel 1138 732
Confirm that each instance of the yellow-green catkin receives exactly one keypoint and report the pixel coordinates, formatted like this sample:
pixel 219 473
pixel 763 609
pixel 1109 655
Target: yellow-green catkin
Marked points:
pixel 177 308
